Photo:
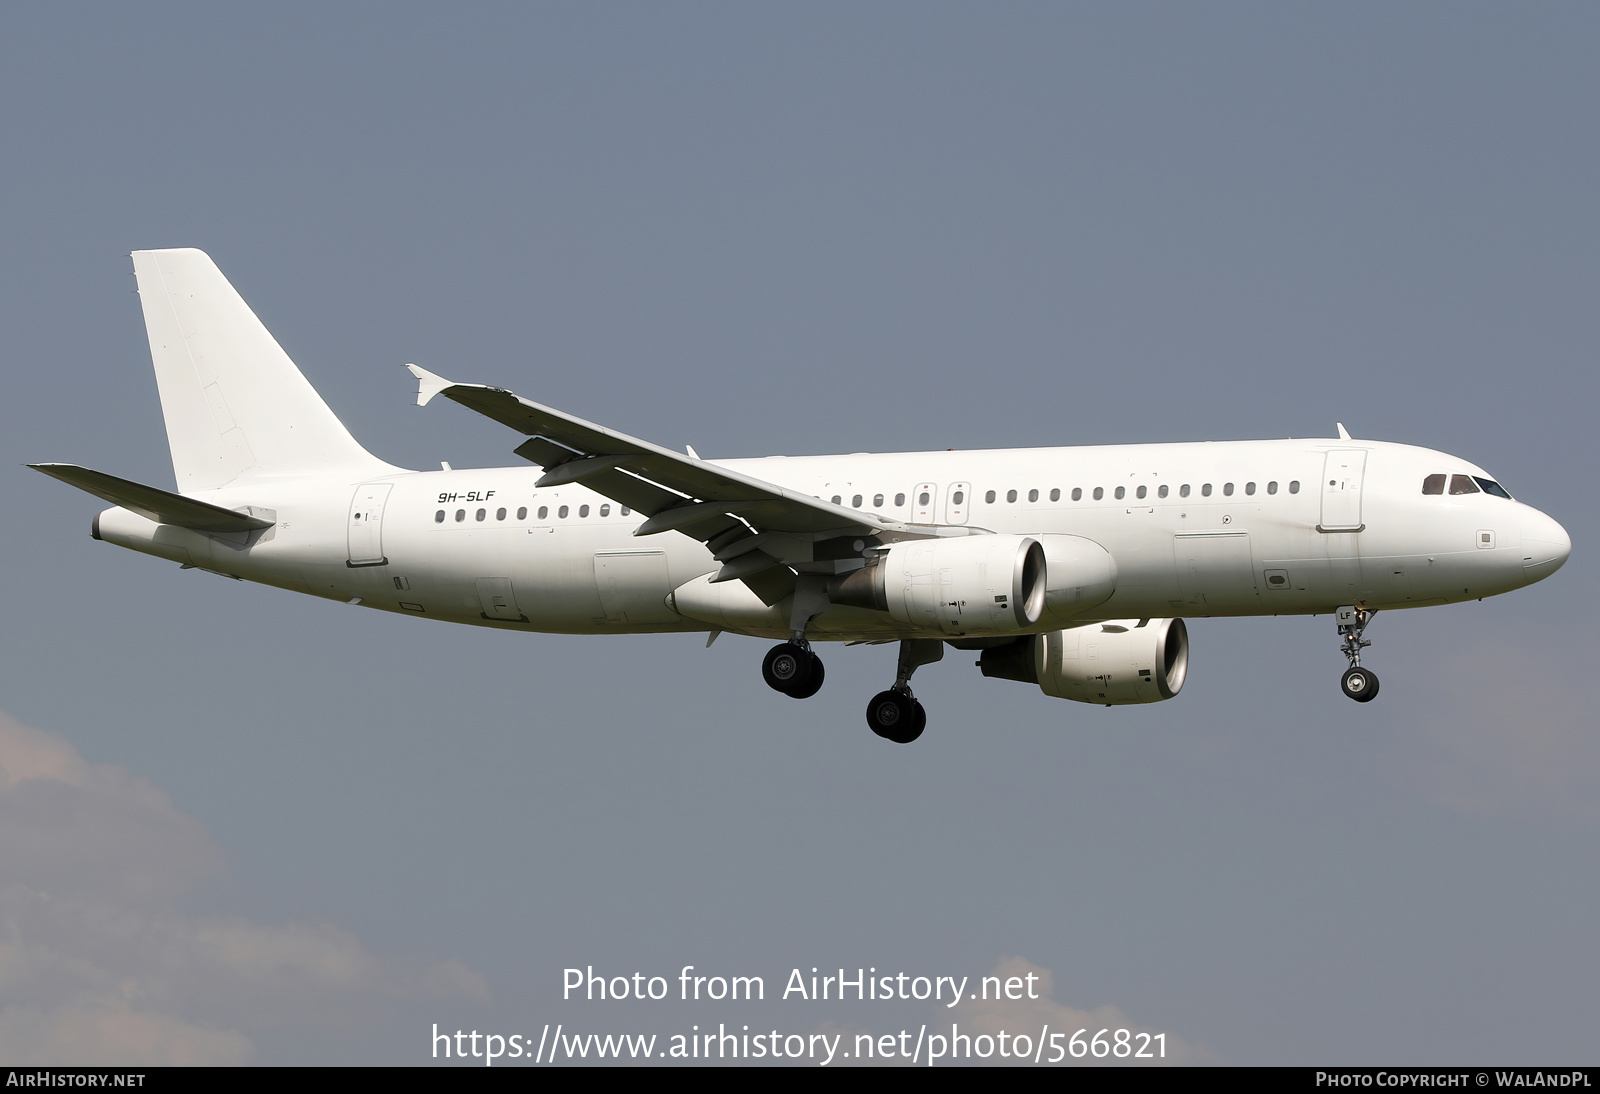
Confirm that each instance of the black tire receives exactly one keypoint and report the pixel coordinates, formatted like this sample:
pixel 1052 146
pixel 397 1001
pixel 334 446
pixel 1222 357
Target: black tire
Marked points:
pixel 787 667
pixel 1360 684
pixel 919 722
pixel 893 715
pixel 813 684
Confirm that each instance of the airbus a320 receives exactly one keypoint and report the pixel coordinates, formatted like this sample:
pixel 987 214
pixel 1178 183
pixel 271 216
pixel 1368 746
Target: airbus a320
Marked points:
pixel 1071 569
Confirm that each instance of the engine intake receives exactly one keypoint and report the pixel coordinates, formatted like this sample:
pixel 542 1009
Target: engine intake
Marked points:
pixel 986 585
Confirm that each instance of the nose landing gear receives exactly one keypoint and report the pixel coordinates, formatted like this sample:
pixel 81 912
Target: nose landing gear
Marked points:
pixel 1358 683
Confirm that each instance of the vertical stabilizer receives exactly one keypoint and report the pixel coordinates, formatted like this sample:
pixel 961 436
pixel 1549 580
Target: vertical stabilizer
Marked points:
pixel 234 403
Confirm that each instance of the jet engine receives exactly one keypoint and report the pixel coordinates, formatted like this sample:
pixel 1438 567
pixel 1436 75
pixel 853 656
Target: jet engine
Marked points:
pixel 1113 663
pixel 974 585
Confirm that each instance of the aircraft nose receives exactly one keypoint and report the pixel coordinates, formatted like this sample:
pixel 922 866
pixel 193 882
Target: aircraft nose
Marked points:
pixel 1545 545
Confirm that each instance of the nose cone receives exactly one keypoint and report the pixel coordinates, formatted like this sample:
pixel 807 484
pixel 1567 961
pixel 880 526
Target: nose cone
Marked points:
pixel 1545 546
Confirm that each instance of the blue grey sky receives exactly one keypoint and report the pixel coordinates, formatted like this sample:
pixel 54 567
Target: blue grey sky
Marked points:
pixel 799 229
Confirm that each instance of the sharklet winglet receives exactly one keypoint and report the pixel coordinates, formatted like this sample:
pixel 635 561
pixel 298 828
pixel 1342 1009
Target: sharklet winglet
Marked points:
pixel 428 384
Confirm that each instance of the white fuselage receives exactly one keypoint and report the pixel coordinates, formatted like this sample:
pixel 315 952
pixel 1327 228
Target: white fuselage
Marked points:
pixel 1196 529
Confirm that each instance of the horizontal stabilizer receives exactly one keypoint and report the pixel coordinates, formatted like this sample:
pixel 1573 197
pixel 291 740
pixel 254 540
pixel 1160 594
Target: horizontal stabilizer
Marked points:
pixel 151 503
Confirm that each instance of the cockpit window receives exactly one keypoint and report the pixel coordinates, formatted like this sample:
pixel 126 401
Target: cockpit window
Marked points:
pixel 1462 484
pixel 1492 487
pixel 1433 484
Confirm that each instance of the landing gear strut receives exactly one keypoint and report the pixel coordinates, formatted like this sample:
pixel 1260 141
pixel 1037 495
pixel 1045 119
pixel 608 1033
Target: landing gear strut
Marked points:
pixel 1358 683
pixel 791 667
pixel 895 715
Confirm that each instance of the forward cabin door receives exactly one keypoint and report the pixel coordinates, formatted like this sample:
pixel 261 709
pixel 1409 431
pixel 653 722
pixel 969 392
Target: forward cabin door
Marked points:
pixel 366 524
pixel 1342 472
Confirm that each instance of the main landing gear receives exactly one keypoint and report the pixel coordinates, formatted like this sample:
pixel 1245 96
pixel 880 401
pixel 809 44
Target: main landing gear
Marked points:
pixel 895 715
pixel 1358 683
pixel 793 669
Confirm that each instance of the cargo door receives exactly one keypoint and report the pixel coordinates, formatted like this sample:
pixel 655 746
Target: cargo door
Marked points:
pixel 1215 571
pixel 633 586
pixel 498 599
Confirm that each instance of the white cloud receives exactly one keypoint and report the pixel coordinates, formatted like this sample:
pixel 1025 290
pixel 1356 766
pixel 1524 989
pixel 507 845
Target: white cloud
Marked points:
pixel 98 963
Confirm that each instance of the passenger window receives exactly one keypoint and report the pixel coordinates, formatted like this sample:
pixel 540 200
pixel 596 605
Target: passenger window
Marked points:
pixel 1121 492
pixel 1294 486
pixel 522 513
pixel 877 501
pixel 836 499
pixel 1077 493
pixel 1433 484
pixel 1033 495
pixel 544 511
pixel 1099 492
pixel 482 513
pixel 1227 489
pixel 562 512
pixel 1205 490
pixel 1462 484
pixel 1011 495
pixel 583 510
pixel 605 510
pixel 1249 488
pixel 1272 487
pixel 499 514
pixel 989 498
pixel 899 499
pixel 1492 487
pixel 1161 491
pixel 923 499
pixel 1183 491
pixel 624 510
pixel 1055 494
pixel 856 501
pixel 958 497
pixel 1141 492
pixel 438 518
pixel 461 515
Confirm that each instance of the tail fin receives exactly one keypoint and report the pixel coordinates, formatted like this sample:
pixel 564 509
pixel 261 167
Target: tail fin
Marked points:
pixel 234 403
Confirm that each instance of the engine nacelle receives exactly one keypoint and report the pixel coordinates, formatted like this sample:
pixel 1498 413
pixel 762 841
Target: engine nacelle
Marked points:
pixel 1114 663
pixel 973 585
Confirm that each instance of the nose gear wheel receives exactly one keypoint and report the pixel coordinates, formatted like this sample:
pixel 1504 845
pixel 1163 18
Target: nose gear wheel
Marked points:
pixel 1359 683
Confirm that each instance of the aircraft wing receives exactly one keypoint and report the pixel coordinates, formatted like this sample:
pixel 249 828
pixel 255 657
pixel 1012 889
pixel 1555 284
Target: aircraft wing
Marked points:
pixel 752 526
pixel 161 506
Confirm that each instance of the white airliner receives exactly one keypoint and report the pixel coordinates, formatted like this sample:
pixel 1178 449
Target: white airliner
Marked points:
pixel 1068 568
